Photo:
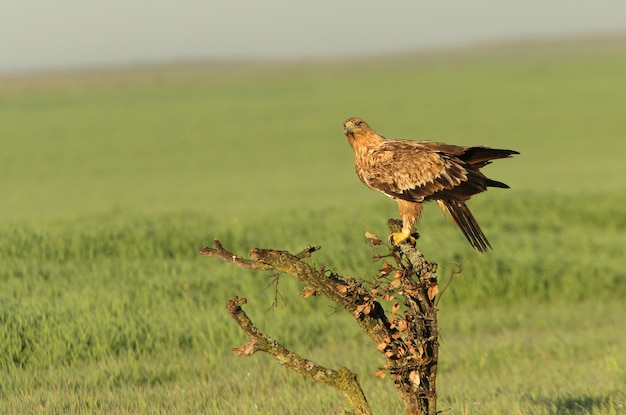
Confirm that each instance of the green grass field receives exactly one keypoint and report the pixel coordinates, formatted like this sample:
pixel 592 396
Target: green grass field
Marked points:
pixel 112 182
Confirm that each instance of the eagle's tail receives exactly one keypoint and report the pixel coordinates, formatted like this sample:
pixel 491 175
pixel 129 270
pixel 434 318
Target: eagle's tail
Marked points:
pixel 461 214
pixel 479 157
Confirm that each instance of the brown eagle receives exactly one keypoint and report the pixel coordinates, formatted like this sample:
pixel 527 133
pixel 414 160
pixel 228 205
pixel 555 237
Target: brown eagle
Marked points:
pixel 412 172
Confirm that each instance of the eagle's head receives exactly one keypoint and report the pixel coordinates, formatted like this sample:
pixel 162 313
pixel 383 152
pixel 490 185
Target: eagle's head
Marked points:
pixel 354 125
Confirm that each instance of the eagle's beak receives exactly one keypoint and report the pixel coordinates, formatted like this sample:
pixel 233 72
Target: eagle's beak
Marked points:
pixel 347 128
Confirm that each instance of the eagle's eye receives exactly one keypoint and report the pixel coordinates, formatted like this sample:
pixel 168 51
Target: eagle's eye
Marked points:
pixel 358 123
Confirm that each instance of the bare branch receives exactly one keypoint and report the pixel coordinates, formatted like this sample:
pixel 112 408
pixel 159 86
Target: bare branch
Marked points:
pixel 457 270
pixel 220 252
pixel 342 379
pixel 307 252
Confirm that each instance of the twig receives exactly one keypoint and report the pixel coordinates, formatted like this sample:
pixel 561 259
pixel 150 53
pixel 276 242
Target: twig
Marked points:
pixel 458 270
pixel 228 256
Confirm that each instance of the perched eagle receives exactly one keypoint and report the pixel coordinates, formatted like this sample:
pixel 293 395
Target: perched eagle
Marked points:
pixel 412 172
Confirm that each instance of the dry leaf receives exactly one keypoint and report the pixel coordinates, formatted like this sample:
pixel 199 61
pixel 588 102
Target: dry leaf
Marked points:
pixel 307 293
pixel 397 274
pixel 386 269
pixel 362 309
pixel 245 349
pixel 402 326
pixel 396 283
pixel 380 374
pixel 414 377
pixel 374 238
pixel 381 346
pixel 433 289
pixel 342 289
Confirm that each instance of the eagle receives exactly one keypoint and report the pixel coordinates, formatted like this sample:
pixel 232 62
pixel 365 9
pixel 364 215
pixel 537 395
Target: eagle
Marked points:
pixel 413 172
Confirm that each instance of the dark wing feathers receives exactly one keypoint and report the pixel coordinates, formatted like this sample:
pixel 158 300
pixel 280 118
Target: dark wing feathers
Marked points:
pixel 423 170
pixel 402 169
pixel 481 156
pixel 495 183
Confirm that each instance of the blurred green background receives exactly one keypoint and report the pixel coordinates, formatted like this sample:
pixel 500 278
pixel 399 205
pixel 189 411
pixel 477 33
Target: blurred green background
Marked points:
pixel 111 183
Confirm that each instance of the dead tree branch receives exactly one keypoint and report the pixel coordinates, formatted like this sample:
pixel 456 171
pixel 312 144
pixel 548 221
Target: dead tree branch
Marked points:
pixel 342 379
pixel 407 335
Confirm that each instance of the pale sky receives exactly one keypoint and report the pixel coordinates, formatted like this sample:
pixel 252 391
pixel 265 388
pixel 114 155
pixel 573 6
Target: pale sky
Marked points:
pixel 54 34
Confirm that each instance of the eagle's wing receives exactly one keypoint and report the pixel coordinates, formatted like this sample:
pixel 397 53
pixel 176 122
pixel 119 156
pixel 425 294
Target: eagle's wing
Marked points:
pixel 415 170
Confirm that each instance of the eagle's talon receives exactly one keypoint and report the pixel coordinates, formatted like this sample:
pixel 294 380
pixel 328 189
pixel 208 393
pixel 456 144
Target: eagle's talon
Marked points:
pixel 397 237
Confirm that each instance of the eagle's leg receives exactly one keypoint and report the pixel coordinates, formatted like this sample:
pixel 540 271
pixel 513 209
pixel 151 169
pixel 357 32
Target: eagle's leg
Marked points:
pixel 410 213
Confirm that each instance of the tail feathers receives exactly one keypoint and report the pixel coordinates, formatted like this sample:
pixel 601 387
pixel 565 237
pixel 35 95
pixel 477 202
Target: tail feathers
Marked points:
pixel 461 214
pixel 481 156
pixel 495 183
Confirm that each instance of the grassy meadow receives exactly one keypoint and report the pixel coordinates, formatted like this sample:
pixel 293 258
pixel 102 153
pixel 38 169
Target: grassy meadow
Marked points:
pixel 112 181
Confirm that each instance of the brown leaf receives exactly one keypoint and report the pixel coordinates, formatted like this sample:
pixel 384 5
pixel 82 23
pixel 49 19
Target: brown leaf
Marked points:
pixel 414 353
pixel 307 293
pixel 414 377
pixel 381 346
pixel 372 236
pixel 412 293
pixel 402 326
pixel 433 289
pixel 397 274
pixel 245 349
pixel 386 269
pixel 362 309
pixel 380 374
pixel 367 308
pixel 342 289
pixel 396 283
